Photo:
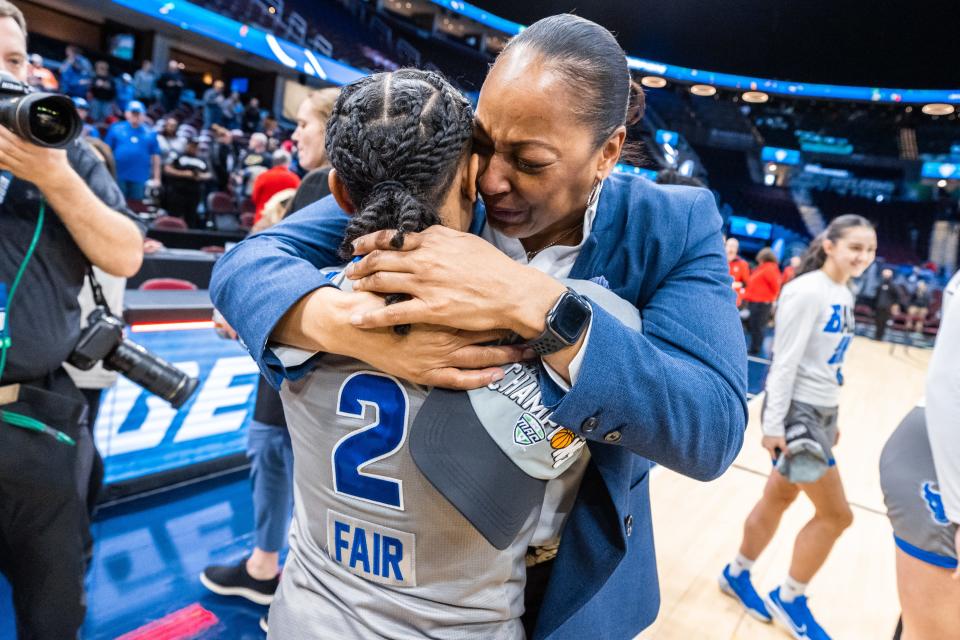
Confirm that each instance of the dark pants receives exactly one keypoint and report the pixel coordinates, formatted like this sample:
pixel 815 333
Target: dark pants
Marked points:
pixel 93 480
pixel 44 530
pixel 537 578
pixel 880 318
pixel 757 324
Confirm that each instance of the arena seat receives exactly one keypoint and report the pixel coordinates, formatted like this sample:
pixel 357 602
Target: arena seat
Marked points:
pixel 170 222
pixel 167 284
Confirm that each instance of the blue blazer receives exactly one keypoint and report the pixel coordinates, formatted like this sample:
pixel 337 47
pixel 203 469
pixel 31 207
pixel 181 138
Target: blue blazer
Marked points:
pixel 673 394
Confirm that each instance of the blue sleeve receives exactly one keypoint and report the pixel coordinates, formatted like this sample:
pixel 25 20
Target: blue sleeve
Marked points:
pixel 258 281
pixel 111 138
pixel 682 400
pixel 154 145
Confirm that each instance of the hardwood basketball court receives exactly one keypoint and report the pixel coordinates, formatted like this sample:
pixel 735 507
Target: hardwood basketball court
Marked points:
pixel 697 526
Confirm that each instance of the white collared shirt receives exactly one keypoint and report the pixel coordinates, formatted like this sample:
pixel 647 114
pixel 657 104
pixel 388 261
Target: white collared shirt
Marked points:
pixel 557 262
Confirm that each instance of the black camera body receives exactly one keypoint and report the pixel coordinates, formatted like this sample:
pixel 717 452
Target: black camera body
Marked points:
pixel 103 340
pixel 44 119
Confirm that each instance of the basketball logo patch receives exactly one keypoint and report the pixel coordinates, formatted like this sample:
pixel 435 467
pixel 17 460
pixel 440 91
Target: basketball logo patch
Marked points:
pixel 562 438
pixel 528 430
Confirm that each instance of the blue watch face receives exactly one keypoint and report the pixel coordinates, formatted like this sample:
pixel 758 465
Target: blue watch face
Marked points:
pixel 571 317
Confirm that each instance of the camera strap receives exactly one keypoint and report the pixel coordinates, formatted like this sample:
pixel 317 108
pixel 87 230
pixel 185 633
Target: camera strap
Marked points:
pixel 98 297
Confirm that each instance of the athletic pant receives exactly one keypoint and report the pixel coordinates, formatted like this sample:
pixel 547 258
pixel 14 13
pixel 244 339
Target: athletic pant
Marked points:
pixel 880 318
pixel 757 324
pixel 44 530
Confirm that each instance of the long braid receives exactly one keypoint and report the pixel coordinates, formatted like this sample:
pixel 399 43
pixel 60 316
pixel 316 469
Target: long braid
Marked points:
pixel 395 140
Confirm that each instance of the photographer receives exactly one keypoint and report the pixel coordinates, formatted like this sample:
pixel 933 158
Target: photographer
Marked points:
pixel 60 213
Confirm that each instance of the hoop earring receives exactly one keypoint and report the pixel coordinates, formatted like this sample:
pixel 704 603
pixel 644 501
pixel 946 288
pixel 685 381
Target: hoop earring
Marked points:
pixel 594 194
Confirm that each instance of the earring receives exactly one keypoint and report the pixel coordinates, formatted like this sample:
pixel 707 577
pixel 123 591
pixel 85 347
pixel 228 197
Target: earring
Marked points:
pixel 594 194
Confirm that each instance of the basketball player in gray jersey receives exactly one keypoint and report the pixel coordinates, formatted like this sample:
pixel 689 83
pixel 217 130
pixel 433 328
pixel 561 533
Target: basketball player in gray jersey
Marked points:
pixel 920 477
pixel 413 507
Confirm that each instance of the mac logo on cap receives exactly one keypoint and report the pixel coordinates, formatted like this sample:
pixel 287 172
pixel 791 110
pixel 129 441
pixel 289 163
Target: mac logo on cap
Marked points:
pixel 528 430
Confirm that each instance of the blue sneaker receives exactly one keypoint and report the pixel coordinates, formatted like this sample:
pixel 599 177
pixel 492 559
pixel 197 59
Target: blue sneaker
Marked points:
pixel 796 617
pixel 741 590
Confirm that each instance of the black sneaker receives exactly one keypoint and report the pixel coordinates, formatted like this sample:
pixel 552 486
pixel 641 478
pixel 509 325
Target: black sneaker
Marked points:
pixel 235 581
pixel 263 623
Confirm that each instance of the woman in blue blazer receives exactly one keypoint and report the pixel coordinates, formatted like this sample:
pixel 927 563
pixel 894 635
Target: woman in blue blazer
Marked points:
pixel 551 124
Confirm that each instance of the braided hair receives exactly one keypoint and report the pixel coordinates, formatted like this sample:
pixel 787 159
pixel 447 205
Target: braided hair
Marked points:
pixel 396 140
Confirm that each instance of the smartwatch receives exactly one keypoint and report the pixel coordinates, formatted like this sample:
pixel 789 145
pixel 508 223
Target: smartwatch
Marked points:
pixel 565 323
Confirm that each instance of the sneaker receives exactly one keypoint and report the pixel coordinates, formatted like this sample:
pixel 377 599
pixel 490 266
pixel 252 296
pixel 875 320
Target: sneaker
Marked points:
pixel 234 580
pixel 263 623
pixel 795 617
pixel 741 590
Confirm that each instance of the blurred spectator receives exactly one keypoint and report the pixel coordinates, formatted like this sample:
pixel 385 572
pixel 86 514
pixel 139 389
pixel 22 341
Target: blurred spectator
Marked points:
pixel 761 292
pixel 40 77
pixel 103 91
pixel 102 149
pixel 145 83
pixel 790 271
pixel 213 99
pixel 251 117
pixel 170 84
pixel 275 209
pixel 271 129
pixel 125 89
pixel 168 139
pixel 231 108
pixel 136 151
pixel 76 73
pixel 273 181
pixel 223 156
pixel 183 180
pixel 886 304
pixel 918 306
pixel 739 269
pixel 256 155
pixel 83 110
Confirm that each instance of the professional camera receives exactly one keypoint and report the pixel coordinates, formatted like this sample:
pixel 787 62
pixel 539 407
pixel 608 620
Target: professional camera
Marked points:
pixel 45 119
pixel 103 340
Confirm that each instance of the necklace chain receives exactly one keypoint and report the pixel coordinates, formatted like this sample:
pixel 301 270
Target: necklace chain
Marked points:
pixel 533 254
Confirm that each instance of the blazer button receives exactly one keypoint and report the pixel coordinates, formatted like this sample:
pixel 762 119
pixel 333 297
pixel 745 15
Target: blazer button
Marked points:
pixel 628 523
pixel 590 425
pixel 613 436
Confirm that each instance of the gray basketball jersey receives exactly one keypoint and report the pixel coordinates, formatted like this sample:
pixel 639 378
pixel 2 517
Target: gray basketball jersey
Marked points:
pixel 375 550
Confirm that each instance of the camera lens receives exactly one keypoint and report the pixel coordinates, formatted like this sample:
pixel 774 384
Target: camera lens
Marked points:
pixel 151 372
pixel 49 123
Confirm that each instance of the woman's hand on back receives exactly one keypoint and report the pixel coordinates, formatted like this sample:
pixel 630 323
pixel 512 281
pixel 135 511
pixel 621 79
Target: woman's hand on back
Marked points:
pixel 455 280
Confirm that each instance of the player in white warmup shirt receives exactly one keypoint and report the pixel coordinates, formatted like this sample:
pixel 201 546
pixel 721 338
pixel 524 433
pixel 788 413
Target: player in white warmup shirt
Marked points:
pixel 414 507
pixel 814 328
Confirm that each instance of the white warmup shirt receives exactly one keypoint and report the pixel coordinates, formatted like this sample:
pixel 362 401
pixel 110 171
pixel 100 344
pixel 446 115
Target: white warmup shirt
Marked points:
pixel 943 401
pixel 815 325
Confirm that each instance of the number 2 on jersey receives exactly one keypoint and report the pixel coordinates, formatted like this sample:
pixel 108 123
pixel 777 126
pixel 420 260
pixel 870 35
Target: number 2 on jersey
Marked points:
pixel 378 440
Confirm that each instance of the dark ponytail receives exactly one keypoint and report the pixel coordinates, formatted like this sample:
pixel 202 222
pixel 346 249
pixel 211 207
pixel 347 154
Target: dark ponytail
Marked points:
pixel 396 140
pixel 814 257
pixel 588 58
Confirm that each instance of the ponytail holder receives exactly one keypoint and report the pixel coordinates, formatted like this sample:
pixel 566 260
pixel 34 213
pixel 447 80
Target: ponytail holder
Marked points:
pixel 387 185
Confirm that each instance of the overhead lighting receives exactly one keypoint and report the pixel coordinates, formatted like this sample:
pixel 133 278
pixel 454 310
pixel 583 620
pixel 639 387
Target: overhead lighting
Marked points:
pixel 772 168
pixel 756 97
pixel 654 82
pixel 942 184
pixel 703 90
pixel 938 109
